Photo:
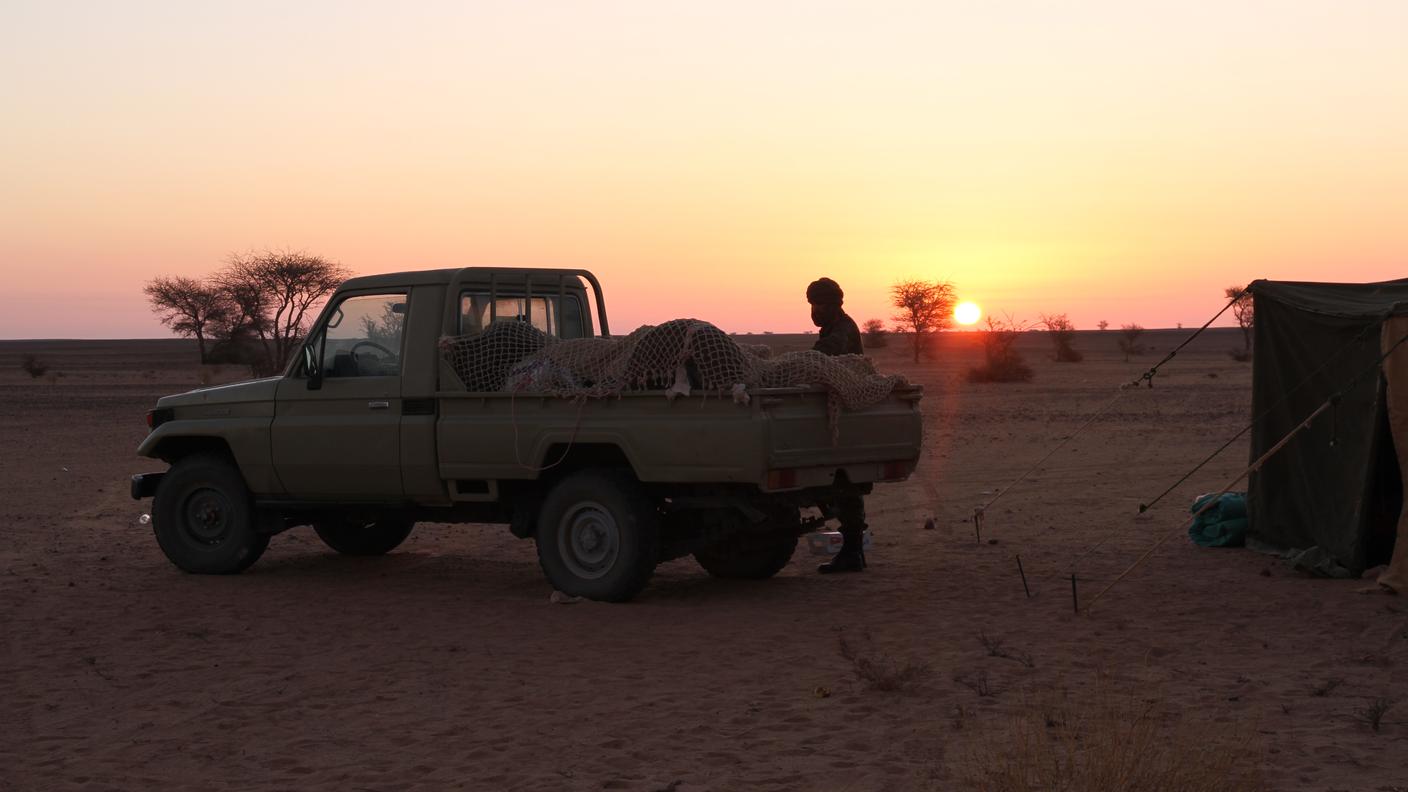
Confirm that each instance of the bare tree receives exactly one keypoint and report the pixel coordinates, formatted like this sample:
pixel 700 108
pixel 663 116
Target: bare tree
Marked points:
pixel 1103 325
pixel 191 308
pixel 874 333
pixel 1062 333
pixel 1129 340
pixel 925 306
pixel 1242 308
pixel 1001 360
pixel 280 288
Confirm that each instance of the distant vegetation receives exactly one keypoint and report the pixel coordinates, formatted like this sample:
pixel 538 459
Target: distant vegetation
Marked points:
pixel 925 307
pixel 875 335
pixel 1001 361
pixel 1062 334
pixel 1129 340
pixel 254 311
pixel 1243 311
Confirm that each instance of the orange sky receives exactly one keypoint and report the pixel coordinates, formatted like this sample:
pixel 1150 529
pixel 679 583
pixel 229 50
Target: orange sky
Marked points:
pixel 1112 160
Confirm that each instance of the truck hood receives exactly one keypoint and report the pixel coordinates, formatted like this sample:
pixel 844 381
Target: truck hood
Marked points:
pixel 260 390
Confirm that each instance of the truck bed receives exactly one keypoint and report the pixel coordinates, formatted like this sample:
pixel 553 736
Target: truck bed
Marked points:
pixel 781 440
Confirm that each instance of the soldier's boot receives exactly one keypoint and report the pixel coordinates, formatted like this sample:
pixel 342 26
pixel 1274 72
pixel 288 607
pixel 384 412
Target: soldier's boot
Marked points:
pixel 851 558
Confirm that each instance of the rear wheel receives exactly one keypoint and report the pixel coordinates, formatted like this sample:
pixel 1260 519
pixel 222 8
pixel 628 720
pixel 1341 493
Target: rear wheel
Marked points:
pixel 364 537
pixel 747 557
pixel 203 517
pixel 598 536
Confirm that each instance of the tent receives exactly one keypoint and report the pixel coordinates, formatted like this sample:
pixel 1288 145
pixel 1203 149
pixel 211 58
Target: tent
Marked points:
pixel 1337 485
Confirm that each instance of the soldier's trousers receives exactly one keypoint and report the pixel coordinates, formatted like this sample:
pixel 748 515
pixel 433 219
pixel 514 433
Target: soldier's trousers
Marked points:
pixel 850 510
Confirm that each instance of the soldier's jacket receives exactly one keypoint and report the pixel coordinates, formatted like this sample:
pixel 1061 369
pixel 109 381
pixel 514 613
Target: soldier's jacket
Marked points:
pixel 841 337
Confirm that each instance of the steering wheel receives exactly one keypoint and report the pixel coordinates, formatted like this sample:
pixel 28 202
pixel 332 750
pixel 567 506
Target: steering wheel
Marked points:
pixel 390 356
pixel 374 345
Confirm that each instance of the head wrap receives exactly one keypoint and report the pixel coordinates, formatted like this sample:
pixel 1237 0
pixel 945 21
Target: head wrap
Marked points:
pixel 825 292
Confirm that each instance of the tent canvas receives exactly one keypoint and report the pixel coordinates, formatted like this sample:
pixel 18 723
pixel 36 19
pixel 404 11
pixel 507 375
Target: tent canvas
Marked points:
pixel 1338 485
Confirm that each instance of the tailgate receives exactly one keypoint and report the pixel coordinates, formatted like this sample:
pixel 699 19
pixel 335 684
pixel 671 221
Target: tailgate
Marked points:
pixel 801 438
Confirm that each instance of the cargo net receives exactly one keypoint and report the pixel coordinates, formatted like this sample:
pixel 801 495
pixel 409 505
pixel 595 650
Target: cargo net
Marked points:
pixel 678 357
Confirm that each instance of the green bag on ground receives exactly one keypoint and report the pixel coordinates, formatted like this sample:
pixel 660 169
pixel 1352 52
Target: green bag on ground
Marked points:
pixel 1223 525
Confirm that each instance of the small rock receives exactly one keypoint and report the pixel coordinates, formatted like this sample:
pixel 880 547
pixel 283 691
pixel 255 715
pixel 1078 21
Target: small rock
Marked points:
pixel 558 598
pixel 929 524
pixel 992 541
pixel 822 691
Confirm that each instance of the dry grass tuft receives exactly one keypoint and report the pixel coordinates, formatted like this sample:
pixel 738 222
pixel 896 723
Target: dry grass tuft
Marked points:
pixel 1373 714
pixel 1327 687
pixel 1116 744
pixel 880 670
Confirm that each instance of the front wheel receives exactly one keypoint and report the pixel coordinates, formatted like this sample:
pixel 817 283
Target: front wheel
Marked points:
pixel 598 536
pixel 363 537
pixel 203 517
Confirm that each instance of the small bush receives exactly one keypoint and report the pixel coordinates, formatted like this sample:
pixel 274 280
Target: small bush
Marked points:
pixel 33 366
pixel 1129 340
pixel 1001 362
pixel 1240 355
pixel 875 335
pixel 1063 333
pixel 880 670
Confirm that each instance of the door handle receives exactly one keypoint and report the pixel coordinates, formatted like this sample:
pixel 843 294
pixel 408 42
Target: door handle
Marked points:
pixel 378 405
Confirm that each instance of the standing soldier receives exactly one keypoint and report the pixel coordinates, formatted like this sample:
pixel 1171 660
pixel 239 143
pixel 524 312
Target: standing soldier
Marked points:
pixel 840 336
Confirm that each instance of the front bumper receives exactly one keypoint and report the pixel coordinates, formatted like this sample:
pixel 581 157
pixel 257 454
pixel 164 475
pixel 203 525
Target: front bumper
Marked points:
pixel 144 485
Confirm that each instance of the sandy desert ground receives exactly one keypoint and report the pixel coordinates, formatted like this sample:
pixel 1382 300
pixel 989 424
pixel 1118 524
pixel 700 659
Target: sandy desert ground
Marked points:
pixel 445 666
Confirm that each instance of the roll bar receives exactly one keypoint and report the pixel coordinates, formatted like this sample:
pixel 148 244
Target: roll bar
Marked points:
pixel 529 274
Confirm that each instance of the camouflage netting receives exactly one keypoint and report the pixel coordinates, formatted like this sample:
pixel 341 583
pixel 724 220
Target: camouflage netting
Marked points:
pixel 678 357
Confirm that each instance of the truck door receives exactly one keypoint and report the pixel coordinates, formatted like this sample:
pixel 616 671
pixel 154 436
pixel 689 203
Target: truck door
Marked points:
pixel 342 440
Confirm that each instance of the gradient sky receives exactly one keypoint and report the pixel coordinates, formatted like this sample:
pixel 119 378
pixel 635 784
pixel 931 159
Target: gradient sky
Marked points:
pixel 1112 160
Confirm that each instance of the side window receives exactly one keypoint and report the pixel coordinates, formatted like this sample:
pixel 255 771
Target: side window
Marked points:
pixel 363 336
pixel 561 318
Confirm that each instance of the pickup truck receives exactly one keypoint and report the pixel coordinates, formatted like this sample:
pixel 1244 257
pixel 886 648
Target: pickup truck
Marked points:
pixel 368 431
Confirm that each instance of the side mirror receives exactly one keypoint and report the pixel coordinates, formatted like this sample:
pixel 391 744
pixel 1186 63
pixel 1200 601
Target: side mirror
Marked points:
pixel 310 367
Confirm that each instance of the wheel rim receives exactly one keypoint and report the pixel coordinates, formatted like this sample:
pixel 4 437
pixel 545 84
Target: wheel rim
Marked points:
pixel 588 540
pixel 207 516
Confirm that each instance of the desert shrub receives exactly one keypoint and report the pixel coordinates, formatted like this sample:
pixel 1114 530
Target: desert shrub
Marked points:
pixel 1001 361
pixel 1240 355
pixel 1129 340
pixel 1062 334
pixel 879 670
pixel 875 335
pixel 1115 743
pixel 33 366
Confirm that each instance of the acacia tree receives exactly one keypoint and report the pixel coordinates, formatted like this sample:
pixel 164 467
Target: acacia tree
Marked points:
pixel 279 288
pixel 191 308
pixel 1129 340
pixel 874 331
pixel 925 306
pixel 1062 334
pixel 261 300
pixel 1242 309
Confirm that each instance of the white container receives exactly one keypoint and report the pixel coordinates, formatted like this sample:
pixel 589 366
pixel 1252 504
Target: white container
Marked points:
pixel 828 543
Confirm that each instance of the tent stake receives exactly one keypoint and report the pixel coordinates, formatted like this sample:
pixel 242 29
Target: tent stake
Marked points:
pixel 1021 572
pixel 978 525
pixel 1075 603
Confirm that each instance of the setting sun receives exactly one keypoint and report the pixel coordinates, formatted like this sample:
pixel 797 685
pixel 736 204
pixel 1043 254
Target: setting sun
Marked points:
pixel 967 313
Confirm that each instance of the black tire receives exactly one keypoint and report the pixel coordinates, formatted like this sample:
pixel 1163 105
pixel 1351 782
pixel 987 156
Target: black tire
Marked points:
pixel 598 536
pixel 747 557
pixel 364 538
pixel 203 517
